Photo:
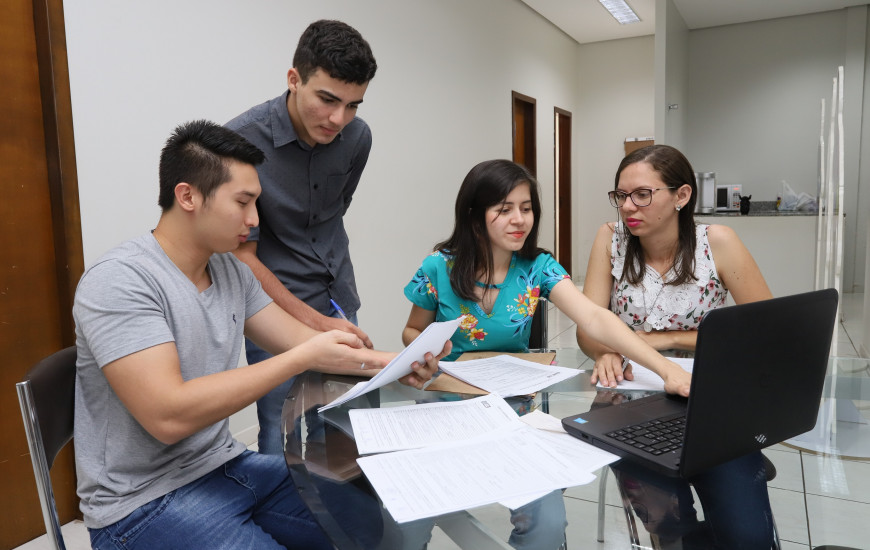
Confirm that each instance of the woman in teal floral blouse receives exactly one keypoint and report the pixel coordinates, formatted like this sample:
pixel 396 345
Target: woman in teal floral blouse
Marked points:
pixel 491 273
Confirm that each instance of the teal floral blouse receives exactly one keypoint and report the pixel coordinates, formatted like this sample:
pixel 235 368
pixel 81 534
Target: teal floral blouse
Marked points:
pixel 655 305
pixel 509 325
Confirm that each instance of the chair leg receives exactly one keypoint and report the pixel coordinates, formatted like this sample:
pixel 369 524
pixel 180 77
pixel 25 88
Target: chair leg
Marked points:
pixel 629 517
pixel 602 493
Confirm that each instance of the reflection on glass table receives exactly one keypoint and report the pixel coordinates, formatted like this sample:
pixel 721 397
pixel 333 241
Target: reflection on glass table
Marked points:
pixel 321 454
pixel 842 427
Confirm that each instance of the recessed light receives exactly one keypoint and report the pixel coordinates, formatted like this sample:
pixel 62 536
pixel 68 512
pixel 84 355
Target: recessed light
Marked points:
pixel 621 11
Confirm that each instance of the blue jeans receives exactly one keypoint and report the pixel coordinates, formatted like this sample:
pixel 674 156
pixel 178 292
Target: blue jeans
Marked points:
pixel 269 406
pixel 733 495
pixel 248 503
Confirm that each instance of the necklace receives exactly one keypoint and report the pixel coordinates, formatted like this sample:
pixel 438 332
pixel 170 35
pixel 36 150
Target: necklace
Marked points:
pixel 647 326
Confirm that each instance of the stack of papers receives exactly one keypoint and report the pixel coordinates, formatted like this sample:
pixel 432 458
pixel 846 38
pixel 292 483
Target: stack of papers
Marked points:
pixel 460 455
pixel 506 375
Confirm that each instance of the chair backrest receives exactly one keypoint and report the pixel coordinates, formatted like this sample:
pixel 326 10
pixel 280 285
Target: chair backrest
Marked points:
pixel 47 395
pixel 538 338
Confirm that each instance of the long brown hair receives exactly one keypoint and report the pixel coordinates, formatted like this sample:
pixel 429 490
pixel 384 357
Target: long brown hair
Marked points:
pixel 675 171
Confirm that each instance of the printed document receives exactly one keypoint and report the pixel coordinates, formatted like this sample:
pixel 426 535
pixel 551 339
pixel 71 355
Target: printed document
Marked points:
pixel 506 375
pixel 645 379
pixel 414 426
pixel 512 462
pixel 431 340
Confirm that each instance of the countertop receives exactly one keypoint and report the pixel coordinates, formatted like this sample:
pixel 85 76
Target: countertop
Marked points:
pixel 760 208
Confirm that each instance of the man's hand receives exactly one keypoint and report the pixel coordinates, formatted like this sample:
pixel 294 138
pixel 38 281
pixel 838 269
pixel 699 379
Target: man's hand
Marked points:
pixel 325 324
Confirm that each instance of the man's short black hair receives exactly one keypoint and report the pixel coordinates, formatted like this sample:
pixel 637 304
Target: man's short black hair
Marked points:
pixel 338 49
pixel 199 153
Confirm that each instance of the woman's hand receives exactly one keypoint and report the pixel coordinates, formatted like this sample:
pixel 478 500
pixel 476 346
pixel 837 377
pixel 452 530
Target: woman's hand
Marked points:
pixel 424 372
pixel 677 381
pixel 608 370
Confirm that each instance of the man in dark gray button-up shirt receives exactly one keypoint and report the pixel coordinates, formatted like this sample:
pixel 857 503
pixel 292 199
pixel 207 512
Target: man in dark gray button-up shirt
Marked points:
pixel 316 150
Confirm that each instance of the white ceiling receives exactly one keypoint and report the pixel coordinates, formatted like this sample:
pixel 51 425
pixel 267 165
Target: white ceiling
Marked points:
pixel 588 21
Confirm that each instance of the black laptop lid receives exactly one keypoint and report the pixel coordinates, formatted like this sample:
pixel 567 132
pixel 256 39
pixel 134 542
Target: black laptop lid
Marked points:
pixel 758 376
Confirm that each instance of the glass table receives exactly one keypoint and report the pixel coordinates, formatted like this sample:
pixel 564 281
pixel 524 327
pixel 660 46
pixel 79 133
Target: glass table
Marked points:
pixel 321 454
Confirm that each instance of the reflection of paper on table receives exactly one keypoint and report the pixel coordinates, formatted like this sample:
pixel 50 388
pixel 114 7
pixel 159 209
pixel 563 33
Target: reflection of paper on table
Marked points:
pixel 431 340
pixel 513 461
pixel 645 379
pixel 506 375
pixel 414 426
pixel 446 383
pixel 543 421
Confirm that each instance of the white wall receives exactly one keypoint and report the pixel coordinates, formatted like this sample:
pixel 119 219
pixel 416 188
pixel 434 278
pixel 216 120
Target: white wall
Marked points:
pixel 440 103
pixel 614 101
pixel 671 66
pixel 754 100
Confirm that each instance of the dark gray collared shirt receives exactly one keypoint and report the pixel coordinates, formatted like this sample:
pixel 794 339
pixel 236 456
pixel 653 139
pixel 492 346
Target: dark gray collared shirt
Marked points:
pixel 306 191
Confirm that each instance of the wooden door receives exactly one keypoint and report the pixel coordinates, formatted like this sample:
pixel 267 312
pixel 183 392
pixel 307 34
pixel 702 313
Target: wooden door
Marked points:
pixel 524 139
pixel 41 251
pixel 562 152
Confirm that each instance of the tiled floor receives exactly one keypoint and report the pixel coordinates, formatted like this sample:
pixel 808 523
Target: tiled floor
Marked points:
pixel 816 499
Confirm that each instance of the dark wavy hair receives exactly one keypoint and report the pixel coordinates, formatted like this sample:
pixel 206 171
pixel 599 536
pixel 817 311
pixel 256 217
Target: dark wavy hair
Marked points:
pixel 199 153
pixel 338 49
pixel 487 184
pixel 675 171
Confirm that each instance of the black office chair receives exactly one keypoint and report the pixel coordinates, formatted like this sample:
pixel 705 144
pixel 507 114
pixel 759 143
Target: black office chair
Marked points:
pixel 769 468
pixel 46 395
pixel 539 338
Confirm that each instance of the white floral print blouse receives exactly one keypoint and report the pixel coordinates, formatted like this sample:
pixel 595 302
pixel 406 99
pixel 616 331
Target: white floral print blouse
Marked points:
pixel 655 305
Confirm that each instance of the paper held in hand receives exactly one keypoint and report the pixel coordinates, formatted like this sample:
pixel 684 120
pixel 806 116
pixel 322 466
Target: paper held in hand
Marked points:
pixel 431 340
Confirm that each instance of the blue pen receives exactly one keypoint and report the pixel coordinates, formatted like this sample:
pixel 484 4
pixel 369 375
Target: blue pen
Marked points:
pixel 338 309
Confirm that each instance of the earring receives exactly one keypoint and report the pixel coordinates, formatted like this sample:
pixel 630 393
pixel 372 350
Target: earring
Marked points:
pixel 677 207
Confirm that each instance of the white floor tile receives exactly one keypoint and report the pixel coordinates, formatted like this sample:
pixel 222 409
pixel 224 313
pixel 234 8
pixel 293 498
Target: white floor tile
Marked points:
pixel 75 537
pixel 789 471
pixel 832 477
pixel 840 522
pixel 790 515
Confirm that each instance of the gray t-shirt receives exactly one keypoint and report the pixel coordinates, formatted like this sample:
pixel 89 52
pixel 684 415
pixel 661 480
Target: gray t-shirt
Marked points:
pixel 306 193
pixel 131 299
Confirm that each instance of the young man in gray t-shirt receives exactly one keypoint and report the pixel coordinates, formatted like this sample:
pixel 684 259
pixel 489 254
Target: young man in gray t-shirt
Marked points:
pixel 159 328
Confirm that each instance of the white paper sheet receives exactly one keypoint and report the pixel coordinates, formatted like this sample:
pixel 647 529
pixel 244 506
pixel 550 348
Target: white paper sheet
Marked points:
pixel 645 379
pixel 415 426
pixel 431 340
pixel 509 463
pixel 506 375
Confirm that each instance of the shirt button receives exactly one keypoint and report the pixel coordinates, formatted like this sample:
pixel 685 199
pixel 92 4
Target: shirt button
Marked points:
pixel 314 239
pixel 316 186
pixel 315 216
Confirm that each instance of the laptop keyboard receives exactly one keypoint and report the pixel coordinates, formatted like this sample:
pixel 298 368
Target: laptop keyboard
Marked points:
pixel 656 436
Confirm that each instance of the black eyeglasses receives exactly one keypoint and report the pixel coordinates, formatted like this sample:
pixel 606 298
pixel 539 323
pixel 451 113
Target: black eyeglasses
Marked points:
pixel 640 197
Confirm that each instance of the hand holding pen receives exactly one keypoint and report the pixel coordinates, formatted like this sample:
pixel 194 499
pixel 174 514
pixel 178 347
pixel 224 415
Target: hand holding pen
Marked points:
pixel 343 323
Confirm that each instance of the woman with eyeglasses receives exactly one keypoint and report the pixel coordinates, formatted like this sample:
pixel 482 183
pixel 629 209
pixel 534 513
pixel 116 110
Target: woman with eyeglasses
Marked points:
pixel 660 272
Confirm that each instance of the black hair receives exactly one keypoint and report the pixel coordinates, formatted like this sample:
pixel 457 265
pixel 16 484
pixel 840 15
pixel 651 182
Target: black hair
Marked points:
pixel 338 49
pixel 199 153
pixel 675 171
pixel 487 184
